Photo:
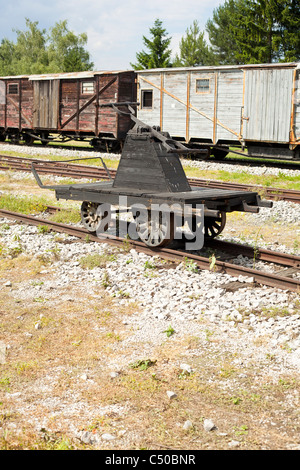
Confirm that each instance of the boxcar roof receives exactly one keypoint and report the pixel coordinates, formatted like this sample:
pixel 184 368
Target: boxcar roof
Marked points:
pixel 209 68
pixel 63 75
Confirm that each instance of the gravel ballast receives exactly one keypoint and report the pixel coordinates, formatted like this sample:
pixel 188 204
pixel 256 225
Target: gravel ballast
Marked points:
pixel 253 323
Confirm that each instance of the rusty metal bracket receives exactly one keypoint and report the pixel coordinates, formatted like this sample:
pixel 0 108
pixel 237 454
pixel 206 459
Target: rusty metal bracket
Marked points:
pixel 41 185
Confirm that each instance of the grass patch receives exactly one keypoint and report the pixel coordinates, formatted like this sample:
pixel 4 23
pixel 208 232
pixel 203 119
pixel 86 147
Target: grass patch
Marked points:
pixel 277 181
pixel 23 204
pixel 66 216
pixel 96 260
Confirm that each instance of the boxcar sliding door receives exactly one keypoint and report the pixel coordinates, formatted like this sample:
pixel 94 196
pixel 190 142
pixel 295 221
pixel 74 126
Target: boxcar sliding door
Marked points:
pixel 46 104
pixel 268 105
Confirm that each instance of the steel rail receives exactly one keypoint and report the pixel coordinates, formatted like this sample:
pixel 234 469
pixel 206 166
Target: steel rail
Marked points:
pixel 85 171
pixel 256 253
pixel 269 279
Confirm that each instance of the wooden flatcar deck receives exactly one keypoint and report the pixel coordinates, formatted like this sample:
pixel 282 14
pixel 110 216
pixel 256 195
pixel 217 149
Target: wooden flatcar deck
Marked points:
pixel 219 199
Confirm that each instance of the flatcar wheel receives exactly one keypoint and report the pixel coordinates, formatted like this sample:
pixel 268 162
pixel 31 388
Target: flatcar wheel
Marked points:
pixel 155 231
pixel 213 226
pixel 91 219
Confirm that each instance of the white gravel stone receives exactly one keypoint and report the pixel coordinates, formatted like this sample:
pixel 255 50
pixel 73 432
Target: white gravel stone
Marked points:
pixel 209 425
pixel 172 295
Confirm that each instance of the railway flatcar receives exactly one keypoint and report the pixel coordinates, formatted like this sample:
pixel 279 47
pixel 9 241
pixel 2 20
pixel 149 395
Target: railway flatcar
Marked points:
pixel 151 184
pixel 245 107
pixel 66 106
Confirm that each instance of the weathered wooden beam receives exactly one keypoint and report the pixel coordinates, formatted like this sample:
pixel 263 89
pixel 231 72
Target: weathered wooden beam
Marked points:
pixel 95 96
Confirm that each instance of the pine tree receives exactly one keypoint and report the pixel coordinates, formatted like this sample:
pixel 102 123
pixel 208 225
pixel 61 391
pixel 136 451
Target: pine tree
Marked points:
pixel 223 44
pixel 255 31
pixel 159 54
pixel 193 49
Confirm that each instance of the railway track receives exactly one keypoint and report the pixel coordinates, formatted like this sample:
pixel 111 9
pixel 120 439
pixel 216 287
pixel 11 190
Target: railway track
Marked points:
pixel 257 161
pixel 288 264
pixel 77 170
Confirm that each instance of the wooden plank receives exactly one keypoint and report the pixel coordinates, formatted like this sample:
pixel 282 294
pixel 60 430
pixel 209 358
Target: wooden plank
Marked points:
pixel 87 103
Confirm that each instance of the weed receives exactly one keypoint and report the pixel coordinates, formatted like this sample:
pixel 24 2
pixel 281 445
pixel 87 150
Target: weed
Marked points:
pixel 123 295
pixel 37 283
pixel 105 280
pixel 126 247
pixel 15 251
pixel 149 265
pixel 241 431
pixel 23 367
pixel 66 216
pixel 5 383
pixel 236 400
pixel 43 229
pixel 169 331
pixel 212 260
pixel 227 371
pixel 113 336
pixel 208 334
pixel 96 260
pixel 143 364
pixel 190 265
pixel 55 252
pixel 23 204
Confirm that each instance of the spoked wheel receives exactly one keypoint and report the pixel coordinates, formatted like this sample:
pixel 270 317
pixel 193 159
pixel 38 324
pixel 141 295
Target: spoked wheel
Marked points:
pixel 155 230
pixel 91 217
pixel 213 226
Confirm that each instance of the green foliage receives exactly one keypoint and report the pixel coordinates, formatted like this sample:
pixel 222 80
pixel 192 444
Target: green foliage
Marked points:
pixel 36 51
pixel 220 36
pixel 142 364
pixel 193 49
pixel 66 50
pixel 96 260
pixel 169 331
pixel 159 54
pixel 190 265
pixel 23 204
pixel 255 31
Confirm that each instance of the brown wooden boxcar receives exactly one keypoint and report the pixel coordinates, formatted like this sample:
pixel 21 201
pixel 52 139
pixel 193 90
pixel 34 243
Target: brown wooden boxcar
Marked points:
pixel 67 105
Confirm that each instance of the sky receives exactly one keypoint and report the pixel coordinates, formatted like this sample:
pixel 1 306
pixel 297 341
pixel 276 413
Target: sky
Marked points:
pixel 115 28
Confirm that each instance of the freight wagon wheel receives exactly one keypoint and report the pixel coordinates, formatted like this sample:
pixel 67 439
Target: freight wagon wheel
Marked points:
pixel 213 226
pixel 155 230
pixel 91 218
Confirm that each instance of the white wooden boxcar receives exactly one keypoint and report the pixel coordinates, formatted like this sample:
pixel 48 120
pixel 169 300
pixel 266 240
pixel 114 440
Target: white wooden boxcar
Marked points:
pixel 254 107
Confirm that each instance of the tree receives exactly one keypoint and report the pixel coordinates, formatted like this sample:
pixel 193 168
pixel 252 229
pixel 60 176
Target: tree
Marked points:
pixel 37 52
pixel 7 50
pixel 290 48
pixel 29 53
pixel 193 49
pixel 255 31
pixel 66 50
pixel 159 54
pixel 220 34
